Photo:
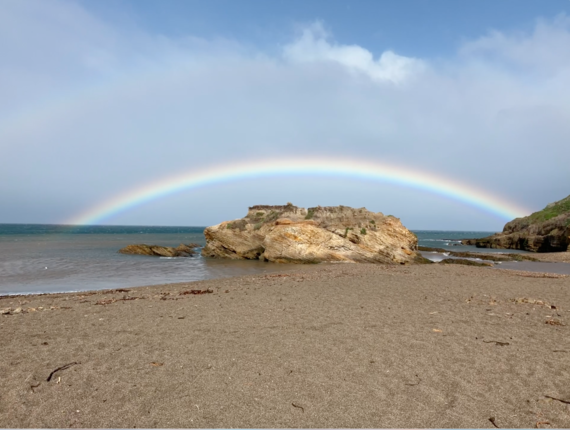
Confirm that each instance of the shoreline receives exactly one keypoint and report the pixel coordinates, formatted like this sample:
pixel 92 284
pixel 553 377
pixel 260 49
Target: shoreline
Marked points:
pixel 542 258
pixel 334 346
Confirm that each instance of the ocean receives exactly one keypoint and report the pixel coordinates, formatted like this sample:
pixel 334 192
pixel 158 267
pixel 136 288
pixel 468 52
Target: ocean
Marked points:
pixel 37 258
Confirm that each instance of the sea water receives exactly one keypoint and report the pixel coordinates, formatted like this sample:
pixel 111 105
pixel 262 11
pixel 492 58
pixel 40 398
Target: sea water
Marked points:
pixel 36 258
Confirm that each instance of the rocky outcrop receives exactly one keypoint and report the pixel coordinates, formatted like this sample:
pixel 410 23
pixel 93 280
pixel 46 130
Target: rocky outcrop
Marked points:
pixel 290 234
pixel 495 256
pixel 545 231
pixel 181 250
pixel 465 262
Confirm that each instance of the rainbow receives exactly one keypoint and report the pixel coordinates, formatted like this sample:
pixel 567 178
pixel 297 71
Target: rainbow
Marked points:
pixel 336 167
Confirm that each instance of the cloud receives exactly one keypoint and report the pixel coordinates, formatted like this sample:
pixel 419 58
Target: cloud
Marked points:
pixel 315 45
pixel 545 49
pixel 90 109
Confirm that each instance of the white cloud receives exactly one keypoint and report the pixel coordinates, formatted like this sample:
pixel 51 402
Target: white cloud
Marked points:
pixel 546 49
pixel 315 45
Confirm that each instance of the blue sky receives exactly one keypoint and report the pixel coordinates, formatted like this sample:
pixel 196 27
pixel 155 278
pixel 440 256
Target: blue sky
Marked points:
pixel 413 27
pixel 99 98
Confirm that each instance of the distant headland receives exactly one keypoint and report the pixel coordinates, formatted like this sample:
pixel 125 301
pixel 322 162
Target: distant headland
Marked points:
pixel 547 230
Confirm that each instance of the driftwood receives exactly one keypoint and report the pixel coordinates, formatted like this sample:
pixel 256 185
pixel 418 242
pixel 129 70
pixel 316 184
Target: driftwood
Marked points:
pixel 67 366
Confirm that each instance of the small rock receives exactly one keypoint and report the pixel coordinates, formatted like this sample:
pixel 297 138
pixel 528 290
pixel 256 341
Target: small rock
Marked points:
pixel 160 251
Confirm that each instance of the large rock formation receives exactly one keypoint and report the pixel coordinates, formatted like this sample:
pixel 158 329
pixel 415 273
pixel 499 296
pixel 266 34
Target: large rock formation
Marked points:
pixel 181 250
pixel 545 231
pixel 289 234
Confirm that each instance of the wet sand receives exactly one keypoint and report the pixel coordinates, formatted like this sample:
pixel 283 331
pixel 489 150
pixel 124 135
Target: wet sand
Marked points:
pixel 333 346
pixel 554 257
pixel 548 257
pixel 538 266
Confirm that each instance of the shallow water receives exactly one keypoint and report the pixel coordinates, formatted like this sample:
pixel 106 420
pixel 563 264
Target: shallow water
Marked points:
pixel 529 266
pixel 451 240
pixel 36 262
pixel 538 266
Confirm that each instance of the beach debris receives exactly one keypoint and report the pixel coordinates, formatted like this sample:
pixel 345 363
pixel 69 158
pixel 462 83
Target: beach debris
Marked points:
pixel 437 330
pixel 156 364
pixel 207 291
pixel 553 322
pixel 539 423
pixel 105 302
pixel 493 421
pixel 67 366
pixel 496 342
pixel 35 386
pixel 92 293
pixel 559 400
pixel 417 383
pixel 299 407
pixel 433 313
pixel 20 310
pixel 527 300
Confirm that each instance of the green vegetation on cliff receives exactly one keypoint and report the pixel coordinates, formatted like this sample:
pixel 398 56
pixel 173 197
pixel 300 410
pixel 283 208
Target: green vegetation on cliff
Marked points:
pixel 550 211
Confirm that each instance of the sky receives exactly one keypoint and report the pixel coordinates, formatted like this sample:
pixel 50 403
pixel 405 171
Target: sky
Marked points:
pixel 101 100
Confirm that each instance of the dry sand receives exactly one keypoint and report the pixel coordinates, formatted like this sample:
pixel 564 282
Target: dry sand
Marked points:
pixel 334 346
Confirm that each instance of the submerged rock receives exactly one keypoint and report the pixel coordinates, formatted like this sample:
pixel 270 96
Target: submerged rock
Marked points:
pixel 465 262
pixel 290 234
pixel 547 230
pixel 480 255
pixel 181 250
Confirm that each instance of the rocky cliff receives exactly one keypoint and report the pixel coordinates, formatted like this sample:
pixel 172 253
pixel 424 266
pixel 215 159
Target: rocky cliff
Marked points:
pixel 547 230
pixel 290 234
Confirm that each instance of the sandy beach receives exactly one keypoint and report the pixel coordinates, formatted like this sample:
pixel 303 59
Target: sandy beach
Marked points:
pixel 349 345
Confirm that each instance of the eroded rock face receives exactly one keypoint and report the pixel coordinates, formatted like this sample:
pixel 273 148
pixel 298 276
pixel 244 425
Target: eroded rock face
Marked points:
pixel 181 250
pixel 289 234
pixel 547 230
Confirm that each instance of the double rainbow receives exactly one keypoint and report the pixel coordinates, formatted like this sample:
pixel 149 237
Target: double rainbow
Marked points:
pixel 323 167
